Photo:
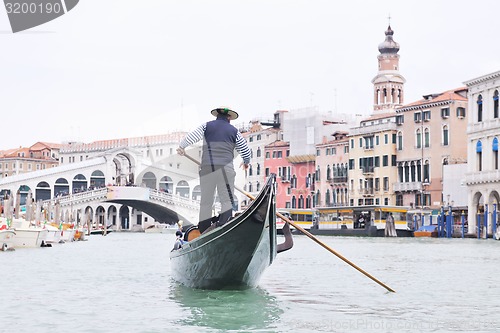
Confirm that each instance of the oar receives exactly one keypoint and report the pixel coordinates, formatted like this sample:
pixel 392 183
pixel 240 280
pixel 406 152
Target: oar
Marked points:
pixel 311 236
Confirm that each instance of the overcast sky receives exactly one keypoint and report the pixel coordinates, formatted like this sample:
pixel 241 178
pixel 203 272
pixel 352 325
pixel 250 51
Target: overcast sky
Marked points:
pixel 120 68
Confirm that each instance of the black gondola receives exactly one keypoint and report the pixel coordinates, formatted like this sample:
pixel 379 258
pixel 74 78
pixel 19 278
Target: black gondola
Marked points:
pixel 235 255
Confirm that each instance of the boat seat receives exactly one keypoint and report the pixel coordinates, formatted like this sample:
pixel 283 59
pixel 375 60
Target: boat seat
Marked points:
pixel 192 233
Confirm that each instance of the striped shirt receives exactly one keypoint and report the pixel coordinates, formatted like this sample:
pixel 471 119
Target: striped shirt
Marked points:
pixel 199 134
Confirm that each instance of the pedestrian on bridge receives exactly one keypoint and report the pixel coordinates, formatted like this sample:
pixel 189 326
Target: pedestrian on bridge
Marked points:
pixel 220 140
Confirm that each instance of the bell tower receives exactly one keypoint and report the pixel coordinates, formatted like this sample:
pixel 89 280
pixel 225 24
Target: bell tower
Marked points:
pixel 388 84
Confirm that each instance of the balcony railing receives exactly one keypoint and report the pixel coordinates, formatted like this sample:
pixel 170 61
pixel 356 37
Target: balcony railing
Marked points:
pixel 482 177
pixel 407 186
pixel 366 191
pixel 367 169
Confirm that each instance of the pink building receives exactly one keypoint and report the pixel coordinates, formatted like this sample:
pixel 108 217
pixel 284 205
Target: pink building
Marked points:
pixel 276 162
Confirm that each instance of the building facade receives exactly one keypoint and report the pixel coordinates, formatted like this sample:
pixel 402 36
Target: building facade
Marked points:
pixel 483 133
pixel 430 135
pixel 332 160
pixel 40 156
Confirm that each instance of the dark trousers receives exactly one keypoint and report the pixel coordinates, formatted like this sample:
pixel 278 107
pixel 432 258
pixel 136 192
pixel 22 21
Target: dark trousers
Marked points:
pixel 220 178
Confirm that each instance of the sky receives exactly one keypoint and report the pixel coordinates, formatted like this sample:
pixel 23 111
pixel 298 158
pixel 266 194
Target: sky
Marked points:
pixel 112 69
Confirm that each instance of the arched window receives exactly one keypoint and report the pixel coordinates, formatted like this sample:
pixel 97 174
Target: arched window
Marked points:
pixel 318 173
pixel 301 202
pixel 495 104
pixel 445 135
pixel 294 202
pixel 427 138
pixel 327 198
pixel 250 170
pixel 479 108
pixel 400 140
pixel 258 169
pixel 258 187
pixel 479 155
pixel 258 152
pixel 328 172
pixel 413 171
pixel 495 153
pixel 419 138
pixel 426 171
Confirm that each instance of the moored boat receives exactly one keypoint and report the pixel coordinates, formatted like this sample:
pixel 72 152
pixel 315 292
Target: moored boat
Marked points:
pixel 427 231
pixel 235 255
pixel 7 239
pixel 27 234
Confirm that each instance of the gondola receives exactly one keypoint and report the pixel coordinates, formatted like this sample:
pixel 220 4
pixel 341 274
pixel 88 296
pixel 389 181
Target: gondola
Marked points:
pixel 235 255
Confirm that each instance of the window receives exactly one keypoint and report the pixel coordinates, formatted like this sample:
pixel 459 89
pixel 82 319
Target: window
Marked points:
pixel 461 112
pixel 280 154
pixel 480 108
pixel 445 135
pixel 385 160
pixel 318 152
pixel 400 119
pixel 360 142
pixel 495 153
pixel 479 156
pixel 426 115
pixel 352 143
pixel 351 164
pixel 394 160
pixel 419 138
pixel 268 155
pixel 445 112
pixel 426 171
pixel 258 152
pixel 386 139
pixel 427 139
pixel 495 104
pixel 267 172
pixel 386 183
pixel 400 140
pixel 417 117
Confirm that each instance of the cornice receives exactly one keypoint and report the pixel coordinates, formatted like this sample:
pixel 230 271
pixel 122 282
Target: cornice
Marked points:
pixel 483 78
pixel 423 106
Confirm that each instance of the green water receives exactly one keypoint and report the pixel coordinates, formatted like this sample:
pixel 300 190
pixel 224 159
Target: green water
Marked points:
pixel 121 283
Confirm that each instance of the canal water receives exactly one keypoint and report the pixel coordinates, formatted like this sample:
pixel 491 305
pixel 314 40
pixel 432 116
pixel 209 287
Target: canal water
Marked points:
pixel 121 283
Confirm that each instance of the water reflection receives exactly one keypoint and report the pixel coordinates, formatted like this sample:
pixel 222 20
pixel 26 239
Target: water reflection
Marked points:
pixel 228 310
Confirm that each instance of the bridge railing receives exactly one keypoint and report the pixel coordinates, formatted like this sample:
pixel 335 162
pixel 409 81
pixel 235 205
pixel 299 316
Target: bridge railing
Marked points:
pixel 172 199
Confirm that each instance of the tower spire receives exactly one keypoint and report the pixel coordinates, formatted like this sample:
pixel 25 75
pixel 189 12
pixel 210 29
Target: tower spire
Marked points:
pixel 388 85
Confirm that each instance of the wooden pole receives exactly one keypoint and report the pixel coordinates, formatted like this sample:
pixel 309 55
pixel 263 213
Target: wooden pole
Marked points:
pixel 315 239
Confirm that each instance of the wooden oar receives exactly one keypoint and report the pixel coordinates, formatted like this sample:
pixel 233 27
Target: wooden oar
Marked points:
pixel 311 236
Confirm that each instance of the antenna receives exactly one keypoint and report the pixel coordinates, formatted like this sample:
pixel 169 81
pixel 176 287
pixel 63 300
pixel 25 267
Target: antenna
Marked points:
pixel 389 19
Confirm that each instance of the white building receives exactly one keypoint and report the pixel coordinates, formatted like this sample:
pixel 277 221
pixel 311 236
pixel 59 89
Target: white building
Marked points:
pixel 483 133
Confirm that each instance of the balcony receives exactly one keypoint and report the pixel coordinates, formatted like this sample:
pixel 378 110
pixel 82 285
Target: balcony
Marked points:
pixel 285 179
pixel 338 179
pixel 407 186
pixel 366 192
pixel 367 169
pixel 482 177
pixel 480 127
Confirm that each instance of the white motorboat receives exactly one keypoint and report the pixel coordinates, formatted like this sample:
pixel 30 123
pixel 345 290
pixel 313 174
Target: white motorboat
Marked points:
pixel 7 239
pixel 53 234
pixel 28 235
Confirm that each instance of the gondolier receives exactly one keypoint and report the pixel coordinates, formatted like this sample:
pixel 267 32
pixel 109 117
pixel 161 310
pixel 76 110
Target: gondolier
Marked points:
pixel 220 139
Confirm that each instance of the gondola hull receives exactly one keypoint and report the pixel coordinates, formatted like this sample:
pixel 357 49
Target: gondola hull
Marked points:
pixel 235 255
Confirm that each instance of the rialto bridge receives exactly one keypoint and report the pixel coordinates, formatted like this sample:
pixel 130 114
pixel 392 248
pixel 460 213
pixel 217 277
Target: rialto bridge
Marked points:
pixel 120 188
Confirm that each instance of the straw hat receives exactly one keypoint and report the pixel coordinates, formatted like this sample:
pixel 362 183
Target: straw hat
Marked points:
pixel 225 110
